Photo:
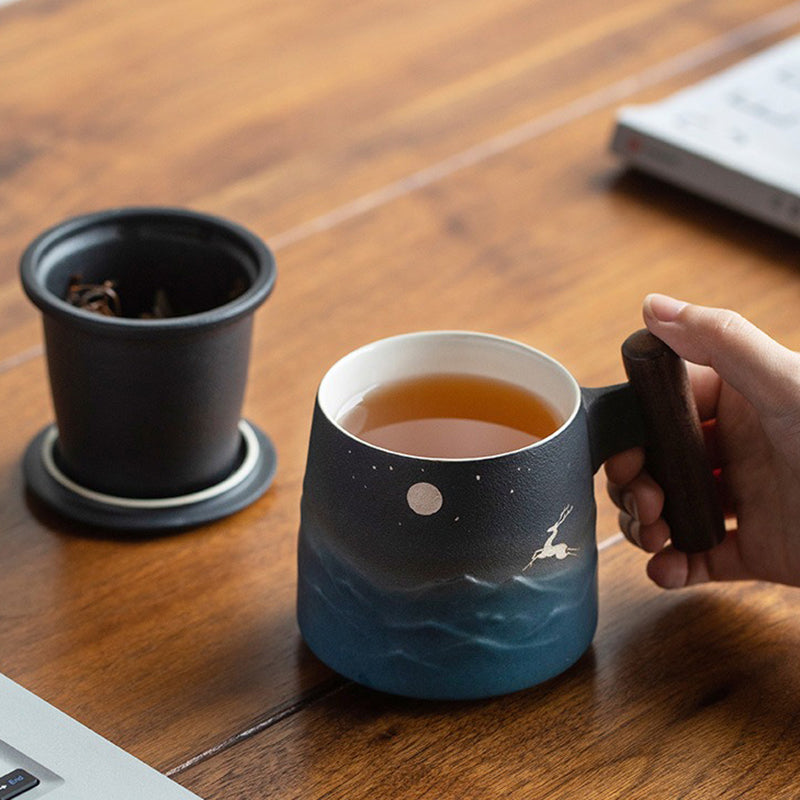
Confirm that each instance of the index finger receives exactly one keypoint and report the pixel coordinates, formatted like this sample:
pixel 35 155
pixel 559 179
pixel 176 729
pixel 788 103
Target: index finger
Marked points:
pixel 623 467
pixel 706 384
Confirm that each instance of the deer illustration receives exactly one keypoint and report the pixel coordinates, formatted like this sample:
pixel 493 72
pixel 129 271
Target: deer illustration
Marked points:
pixel 550 550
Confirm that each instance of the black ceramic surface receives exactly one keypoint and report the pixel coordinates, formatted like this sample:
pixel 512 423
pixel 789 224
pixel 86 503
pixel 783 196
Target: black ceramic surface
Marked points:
pixel 149 408
pixel 253 472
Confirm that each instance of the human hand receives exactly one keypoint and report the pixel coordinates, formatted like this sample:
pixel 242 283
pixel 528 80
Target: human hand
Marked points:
pixel 747 389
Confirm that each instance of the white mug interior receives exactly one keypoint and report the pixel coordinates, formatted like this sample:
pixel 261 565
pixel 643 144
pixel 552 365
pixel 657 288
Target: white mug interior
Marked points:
pixel 414 355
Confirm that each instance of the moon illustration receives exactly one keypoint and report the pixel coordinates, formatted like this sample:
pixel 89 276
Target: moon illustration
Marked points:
pixel 424 499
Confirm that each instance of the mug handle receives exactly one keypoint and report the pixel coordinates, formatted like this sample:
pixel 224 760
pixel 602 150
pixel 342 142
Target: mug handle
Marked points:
pixel 656 408
pixel 675 454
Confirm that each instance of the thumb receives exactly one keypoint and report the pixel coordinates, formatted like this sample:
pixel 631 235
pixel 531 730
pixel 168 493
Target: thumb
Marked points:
pixel 742 355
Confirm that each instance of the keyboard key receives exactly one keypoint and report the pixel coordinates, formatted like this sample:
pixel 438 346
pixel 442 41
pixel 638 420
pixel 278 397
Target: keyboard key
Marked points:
pixel 15 783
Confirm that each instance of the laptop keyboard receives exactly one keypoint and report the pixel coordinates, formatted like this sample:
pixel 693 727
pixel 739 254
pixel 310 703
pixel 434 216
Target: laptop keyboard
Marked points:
pixel 734 137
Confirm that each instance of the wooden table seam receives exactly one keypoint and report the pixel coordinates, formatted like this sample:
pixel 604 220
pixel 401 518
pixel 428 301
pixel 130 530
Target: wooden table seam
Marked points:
pixel 693 58
pixel 323 692
pixel 681 63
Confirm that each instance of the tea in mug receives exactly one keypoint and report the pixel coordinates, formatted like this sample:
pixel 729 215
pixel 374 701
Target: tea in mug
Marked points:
pixel 450 416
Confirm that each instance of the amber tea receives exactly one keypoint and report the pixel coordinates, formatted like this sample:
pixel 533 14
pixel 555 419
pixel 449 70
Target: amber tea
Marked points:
pixel 450 416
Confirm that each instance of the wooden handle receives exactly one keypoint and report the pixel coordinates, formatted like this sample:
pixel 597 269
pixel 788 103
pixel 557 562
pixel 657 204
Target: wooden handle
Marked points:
pixel 675 454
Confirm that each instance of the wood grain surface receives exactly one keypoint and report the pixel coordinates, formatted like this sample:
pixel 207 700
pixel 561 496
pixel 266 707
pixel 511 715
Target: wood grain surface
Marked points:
pixel 414 165
pixel 682 695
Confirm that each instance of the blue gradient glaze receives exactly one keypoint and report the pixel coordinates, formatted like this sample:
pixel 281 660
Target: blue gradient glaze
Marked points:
pixel 460 638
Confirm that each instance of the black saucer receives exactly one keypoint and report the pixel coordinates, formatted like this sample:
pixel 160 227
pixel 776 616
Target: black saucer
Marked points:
pixel 249 479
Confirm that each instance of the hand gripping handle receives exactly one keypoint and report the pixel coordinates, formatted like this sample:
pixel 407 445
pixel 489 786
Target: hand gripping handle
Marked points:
pixel 675 454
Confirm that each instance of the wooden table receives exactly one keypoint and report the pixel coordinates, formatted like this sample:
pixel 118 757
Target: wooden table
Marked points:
pixel 414 165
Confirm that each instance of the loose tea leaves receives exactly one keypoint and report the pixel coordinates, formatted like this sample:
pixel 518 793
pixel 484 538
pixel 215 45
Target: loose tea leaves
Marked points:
pixel 99 298
pixel 148 302
pixel 103 298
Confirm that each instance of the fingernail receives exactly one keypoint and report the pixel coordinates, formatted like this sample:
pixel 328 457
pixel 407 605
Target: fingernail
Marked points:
pixel 663 307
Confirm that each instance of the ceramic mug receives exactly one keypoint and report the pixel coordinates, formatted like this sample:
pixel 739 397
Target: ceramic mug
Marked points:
pixel 461 578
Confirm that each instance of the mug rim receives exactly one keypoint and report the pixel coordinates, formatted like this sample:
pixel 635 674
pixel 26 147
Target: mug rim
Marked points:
pixel 37 262
pixel 363 350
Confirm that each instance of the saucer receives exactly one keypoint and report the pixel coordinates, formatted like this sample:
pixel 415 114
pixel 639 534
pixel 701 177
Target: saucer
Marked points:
pixel 249 479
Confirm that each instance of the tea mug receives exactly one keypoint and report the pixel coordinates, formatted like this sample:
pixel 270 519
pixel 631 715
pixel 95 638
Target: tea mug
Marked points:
pixel 465 578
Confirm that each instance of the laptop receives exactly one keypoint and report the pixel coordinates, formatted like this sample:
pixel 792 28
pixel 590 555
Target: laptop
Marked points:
pixel 45 753
pixel 733 138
